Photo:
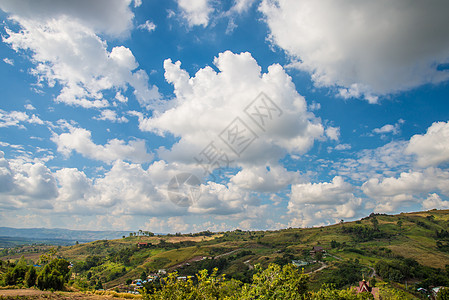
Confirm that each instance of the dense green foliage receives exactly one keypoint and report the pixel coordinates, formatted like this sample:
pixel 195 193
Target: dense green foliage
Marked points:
pixel 362 233
pixel 240 271
pixel 402 269
pixel 274 282
pixel 52 276
pixel 343 274
pixel 16 273
pixel 90 262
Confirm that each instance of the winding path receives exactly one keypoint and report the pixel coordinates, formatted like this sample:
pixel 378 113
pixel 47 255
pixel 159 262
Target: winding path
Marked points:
pixel 323 266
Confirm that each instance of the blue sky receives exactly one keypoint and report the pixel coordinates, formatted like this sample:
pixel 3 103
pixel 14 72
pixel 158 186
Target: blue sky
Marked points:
pixel 289 113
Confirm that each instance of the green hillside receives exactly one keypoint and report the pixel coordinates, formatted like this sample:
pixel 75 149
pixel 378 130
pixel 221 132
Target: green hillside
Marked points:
pixel 410 248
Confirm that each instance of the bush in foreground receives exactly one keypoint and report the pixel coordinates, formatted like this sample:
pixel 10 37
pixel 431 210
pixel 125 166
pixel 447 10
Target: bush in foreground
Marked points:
pixel 275 282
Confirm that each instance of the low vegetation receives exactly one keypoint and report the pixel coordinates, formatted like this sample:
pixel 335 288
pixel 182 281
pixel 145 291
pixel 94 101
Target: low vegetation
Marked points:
pixel 403 252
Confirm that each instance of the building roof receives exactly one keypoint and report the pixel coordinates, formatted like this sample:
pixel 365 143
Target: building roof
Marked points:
pixel 363 287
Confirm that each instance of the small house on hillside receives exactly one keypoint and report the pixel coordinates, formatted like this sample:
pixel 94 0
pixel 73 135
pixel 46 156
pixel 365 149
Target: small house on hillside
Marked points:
pixel 142 245
pixel 317 249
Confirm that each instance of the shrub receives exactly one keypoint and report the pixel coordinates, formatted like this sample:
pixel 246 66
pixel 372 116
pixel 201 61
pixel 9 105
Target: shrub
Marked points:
pixel 54 275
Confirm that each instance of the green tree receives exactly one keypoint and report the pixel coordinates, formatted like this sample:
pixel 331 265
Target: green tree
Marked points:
pixel 208 287
pixel 54 275
pixel 334 244
pixel 49 256
pixel 30 276
pixel 16 275
pixel 50 278
pixel 328 292
pixel 143 275
pixel 389 293
pixel 276 283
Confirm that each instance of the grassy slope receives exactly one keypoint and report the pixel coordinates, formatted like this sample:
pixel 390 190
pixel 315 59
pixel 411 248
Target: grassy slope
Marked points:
pixel 409 240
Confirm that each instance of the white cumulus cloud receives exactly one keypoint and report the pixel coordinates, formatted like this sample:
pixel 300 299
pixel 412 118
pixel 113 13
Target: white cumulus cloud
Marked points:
pixel 80 140
pixel 364 48
pixel 264 179
pixel 26 184
pixel 207 104
pixel 388 128
pixel 110 115
pixel 196 12
pixel 16 118
pixel 241 6
pixel 322 203
pixel 431 148
pixel 434 201
pixel 148 26
pixel 8 61
pixel 408 188
pixel 66 50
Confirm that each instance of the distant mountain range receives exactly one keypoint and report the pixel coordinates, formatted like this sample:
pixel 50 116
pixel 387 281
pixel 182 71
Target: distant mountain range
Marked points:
pixel 63 236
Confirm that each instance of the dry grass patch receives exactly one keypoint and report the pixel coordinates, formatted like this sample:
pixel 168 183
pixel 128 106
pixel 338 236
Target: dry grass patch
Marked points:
pixel 425 257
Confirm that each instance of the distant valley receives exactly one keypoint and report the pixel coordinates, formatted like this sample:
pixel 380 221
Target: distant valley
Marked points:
pixel 10 237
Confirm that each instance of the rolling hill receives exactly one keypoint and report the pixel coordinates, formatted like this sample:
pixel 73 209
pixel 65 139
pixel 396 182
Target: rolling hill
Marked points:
pixel 377 245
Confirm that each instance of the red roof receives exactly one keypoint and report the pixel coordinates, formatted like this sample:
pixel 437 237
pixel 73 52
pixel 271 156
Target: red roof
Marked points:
pixel 363 287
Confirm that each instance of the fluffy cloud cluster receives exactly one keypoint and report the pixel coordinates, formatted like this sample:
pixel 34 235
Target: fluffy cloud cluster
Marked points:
pixel 389 128
pixel 24 184
pixel 175 224
pixel 202 12
pixel 434 201
pixel 148 26
pixel 66 49
pixel 326 202
pixel 196 12
pixel 207 104
pixel 425 183
pixel 397 176
pixel 264 179
pixel 111 115
pixel 388 160
pixel 409 188
pixel 15 118
pixel 80 140
pixel 126 189
pixel 241 6
pixel 365 48
pixel 431 148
